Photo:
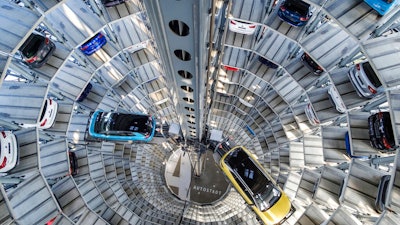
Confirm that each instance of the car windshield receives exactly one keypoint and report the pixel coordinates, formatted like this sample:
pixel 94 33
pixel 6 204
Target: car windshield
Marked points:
pixel 263 190
pixel 44 110
pixel 267 197
pixel 298 7
pixel 111 122
pixel 32 46
pixel 371 74
pixel 243 22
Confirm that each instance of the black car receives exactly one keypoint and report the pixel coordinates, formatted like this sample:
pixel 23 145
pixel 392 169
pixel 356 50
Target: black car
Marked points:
pixel 73 163
pixel 381 131
pixel 36 50
pixel 109 3
pixel 311 64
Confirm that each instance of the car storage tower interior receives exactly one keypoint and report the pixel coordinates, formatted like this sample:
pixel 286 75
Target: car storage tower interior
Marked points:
pixel 179 61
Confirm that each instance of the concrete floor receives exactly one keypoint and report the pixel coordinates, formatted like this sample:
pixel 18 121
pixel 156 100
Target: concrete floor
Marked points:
pixel 210 186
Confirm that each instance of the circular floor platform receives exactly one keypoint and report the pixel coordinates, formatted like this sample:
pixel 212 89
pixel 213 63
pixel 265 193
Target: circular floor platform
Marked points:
pixel 210 186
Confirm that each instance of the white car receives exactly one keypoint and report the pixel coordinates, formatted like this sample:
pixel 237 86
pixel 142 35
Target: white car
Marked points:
pixel 47 117
pixel 49 113
pixel 364 80
pixel 137 47
pixel 8 151
pixel 336 100
pixel 312 117
pixel 242 27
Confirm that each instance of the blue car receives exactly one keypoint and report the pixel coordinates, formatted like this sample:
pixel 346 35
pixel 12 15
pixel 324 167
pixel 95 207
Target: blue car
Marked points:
pixel 115 126
pixel 382 6
pixel 348 148
pixel 93 44
pixel 295 12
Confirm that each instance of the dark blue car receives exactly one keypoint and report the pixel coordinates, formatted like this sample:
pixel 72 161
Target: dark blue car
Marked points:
pixel 348 148
pixel 93 44
pixel 295 12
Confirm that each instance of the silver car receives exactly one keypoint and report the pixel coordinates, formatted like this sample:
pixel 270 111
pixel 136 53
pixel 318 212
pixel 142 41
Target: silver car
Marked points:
pixel 364 80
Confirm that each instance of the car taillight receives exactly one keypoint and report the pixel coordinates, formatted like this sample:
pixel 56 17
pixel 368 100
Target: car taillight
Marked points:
pixel 358 66
pixel 233 22
pixel 51 221
pixel 231 68
pixel 3 164
pixel 147 136
pixel 31 60
pixel 316 121
pixel 252 26
pixel 303 18
pixel 47 41
pixel 282 8
pixel 373 91
pixel 386 143
pixel 43 123
pixel 84 47
pixel 50 101
pixel 4 134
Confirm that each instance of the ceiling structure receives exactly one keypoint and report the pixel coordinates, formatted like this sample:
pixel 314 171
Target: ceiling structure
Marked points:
pixel 181 77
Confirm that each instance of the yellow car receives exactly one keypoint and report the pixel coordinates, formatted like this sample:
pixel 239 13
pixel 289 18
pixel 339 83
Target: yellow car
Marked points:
pixel 256 186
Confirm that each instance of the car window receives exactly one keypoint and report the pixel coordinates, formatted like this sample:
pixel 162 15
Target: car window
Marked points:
pixel 298 7
pixel 108 122
pixel 387 126
pixel 109 1
pixel 242 22
pixel 119 133
pixel 44 110
pixel 267 197
pixel 89 42
pixel 371 74
pixel 31 48
pixel 243 187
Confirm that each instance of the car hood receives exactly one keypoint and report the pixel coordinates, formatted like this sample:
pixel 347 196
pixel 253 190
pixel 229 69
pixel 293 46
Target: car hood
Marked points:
pixel 278 211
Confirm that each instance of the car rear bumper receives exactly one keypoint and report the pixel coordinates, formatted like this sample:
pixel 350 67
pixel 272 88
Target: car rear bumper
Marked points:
pixel 38 64
pixel 358 87
pixel 12 155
